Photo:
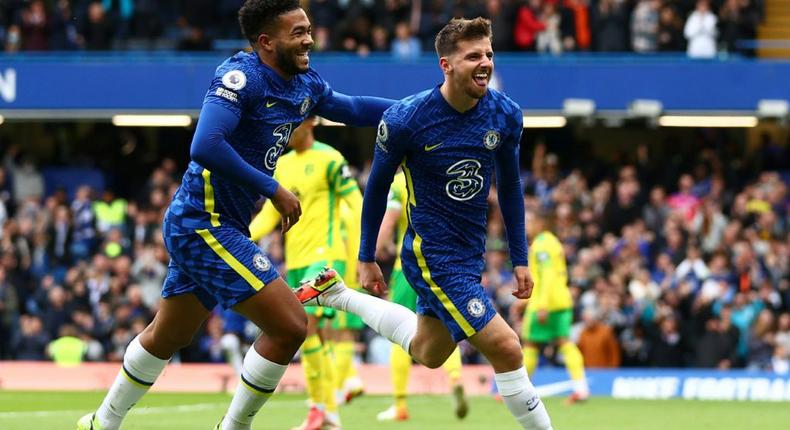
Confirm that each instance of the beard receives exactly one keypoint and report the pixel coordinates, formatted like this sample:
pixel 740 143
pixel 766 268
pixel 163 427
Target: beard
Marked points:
pixel 286 59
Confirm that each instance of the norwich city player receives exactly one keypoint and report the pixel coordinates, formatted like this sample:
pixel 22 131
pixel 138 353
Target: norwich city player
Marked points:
pixel 549 312
pixel 393 227
pixel 319 176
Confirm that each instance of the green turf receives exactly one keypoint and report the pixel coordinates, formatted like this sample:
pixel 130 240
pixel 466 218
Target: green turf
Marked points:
pixel 49 410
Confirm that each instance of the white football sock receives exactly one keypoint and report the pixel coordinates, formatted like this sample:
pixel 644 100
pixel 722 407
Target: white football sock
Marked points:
pixel 139 371
pixel 522 399
pixel 391 320
pixel 259 378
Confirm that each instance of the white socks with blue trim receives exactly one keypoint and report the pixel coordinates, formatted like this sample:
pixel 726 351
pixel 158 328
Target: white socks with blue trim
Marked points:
pixel 139 371
pixel 391 320
pixel 259 378
pixel 522 399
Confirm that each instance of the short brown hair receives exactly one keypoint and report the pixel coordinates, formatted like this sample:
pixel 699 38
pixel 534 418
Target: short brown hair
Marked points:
pixel 461 29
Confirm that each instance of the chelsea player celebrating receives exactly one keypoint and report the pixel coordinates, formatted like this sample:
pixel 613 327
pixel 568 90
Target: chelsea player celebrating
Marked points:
pixel 449 140
pixel 253 103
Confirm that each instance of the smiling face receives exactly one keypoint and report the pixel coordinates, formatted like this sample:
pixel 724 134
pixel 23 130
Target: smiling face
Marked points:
pixel 290 42
pixel 469 68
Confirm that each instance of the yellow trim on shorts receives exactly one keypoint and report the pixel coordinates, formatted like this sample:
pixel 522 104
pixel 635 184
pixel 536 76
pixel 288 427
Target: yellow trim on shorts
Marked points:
pixel 437 290
pixel 231 261
pixel 208 198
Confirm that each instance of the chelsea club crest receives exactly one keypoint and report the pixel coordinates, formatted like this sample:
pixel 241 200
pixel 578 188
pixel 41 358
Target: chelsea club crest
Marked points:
pixel 261 263
pixel 305 106
pixel 476 308
pixel 491 139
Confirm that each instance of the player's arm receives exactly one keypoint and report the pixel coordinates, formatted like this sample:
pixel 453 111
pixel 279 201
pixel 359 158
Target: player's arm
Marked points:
pixel 358 111
pixel 389 223
pixel 350 215
pixel 265 222
pixel 391 140
pixel 511 203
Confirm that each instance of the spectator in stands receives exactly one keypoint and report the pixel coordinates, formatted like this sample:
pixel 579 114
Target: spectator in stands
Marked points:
pixel 609 26
pixel 527 25
pixel 9 313
pixel 644 26
pixel 666 346
pixel 110 212
pixel 97 30
pixel 194 40
pixel 30 343
pixel 700 31
pixel 717 347
pixel 549 40
pixel 761 342
pixel 597 342
pixel 405 46
pixel 27 180
pixel 65 34
pixel 501 17
pixel 670 31
pixel 35 27
pixel 68 349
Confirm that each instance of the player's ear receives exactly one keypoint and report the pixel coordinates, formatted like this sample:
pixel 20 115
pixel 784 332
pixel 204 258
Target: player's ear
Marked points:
pixel 445 65
pixel 265 42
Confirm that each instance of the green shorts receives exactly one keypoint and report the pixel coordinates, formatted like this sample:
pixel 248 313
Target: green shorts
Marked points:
pixel 340 320
pixel 558 325
pixel 401 292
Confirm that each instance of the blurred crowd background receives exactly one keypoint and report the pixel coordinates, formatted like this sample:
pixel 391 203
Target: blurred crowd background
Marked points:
pixel 677 257
pixel 703 28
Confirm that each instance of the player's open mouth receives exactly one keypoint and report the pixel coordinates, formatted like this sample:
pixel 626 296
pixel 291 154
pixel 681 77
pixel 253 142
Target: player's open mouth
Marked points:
pixel 303 55
pixel 481 78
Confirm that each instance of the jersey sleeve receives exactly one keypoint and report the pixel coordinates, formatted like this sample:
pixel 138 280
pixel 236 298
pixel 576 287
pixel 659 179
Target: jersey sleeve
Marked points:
pixel 340 178
pixel 392 140
pixel 511 198
pixel 234 87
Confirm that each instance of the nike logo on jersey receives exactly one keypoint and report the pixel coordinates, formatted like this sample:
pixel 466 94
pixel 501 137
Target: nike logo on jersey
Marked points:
pixel 270 104
pixel 429 148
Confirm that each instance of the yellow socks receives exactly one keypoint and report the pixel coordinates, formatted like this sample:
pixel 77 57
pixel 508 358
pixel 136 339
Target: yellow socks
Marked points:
pixel 530 358
pixel 312 363
pixel 453 366
pixel 574 361
pixel 400 365
pixel 344 362
pixel 328 380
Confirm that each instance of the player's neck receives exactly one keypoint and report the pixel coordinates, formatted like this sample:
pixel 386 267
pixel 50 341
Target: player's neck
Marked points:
pixel 273 65
pixel 302 146
pixel 458 100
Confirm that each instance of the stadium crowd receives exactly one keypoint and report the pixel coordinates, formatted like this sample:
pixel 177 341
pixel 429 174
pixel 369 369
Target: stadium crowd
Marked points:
pixel 670 265
pixel 703 28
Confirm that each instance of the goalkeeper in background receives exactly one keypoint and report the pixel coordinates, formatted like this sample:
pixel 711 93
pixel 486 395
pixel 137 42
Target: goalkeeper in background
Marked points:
pixel 549 312
pixel 319 176
pixel 389 243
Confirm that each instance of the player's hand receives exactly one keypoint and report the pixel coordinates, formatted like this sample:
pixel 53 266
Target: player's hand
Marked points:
pixel 288 206
pixel 523 282
pixel 370 278
pixel 543 316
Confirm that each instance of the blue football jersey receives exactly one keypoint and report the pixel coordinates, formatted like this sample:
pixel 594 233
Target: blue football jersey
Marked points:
pixel 269 109
pixel 448 158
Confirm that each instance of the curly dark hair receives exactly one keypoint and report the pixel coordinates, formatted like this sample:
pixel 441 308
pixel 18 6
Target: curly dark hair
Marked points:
pixel 461 29
pixel 256 16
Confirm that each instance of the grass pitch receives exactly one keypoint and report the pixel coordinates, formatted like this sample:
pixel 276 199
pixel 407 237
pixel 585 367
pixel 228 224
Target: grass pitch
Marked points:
pixel 60 410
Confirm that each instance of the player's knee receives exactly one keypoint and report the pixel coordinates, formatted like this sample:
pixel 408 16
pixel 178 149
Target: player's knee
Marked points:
pixel 433 362
pixel 172 340
pixel 507 352
pixel 293 332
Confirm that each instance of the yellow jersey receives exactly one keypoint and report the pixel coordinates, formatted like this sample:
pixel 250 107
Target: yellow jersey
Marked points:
pixel 397 199
pixel 549 273
pixel 321 180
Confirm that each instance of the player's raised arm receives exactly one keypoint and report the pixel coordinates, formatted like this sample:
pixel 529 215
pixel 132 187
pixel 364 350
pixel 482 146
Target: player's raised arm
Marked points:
pixel 511 202
pixel 389 152
pixel 361 111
